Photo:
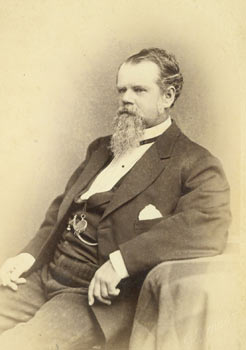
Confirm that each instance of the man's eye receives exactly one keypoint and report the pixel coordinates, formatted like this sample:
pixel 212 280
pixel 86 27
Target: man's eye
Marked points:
pixel 121 91
pixel 139 90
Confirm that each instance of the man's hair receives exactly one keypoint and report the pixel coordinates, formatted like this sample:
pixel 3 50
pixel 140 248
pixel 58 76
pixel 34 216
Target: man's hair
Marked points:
pixel 170 74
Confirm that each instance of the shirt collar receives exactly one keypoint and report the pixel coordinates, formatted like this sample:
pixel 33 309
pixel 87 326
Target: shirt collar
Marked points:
pixel 156 130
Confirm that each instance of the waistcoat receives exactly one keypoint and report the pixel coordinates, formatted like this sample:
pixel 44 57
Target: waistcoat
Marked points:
pixel 75 262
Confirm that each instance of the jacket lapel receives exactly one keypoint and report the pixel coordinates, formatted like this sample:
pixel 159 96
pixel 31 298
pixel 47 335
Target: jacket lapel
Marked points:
pixel 96 162
pixel 146 170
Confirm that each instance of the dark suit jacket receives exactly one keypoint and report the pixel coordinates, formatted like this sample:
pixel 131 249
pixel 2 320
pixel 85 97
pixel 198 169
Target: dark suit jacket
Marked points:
pixel 180 178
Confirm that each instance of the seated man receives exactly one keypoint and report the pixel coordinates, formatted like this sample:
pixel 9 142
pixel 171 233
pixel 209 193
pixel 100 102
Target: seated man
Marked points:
pixel 143 196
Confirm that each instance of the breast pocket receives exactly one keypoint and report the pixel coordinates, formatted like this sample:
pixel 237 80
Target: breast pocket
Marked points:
pixel 141 226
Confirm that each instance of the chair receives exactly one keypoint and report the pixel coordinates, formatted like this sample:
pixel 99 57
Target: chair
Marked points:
pixel 190 304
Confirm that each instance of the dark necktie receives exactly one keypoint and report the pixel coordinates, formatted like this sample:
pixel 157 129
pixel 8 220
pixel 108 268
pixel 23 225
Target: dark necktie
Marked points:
pixel 144 142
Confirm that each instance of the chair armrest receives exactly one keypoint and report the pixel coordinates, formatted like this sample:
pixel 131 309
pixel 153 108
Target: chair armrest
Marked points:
pixel 189 304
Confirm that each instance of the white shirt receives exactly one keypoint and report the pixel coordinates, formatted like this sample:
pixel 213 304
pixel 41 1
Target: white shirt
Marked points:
pixel 117 168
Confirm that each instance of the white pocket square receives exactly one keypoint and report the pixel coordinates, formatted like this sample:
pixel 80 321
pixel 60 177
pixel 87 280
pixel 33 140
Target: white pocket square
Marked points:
pixel 149 212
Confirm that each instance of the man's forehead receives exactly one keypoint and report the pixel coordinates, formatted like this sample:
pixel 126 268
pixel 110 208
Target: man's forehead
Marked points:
pixel 144 72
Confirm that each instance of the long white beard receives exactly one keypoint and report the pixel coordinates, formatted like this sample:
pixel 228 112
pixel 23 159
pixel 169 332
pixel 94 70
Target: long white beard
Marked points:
pixel 128 130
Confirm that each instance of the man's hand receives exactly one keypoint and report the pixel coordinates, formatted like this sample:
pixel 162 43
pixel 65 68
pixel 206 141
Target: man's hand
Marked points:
pixel 103 284
pixel 13 268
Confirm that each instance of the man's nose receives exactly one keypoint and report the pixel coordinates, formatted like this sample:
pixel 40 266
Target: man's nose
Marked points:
pixel 127 97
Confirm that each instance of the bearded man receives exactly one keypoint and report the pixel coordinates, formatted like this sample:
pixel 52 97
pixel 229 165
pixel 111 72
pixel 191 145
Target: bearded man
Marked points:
pixel 146 195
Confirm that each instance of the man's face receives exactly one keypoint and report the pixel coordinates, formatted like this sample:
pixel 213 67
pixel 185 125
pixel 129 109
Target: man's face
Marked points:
pixel 137 87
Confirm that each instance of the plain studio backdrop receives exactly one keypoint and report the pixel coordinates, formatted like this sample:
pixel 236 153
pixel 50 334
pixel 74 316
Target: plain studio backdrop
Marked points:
pixel 58 65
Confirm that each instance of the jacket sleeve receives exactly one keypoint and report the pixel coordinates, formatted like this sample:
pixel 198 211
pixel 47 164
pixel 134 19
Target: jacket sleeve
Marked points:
pixel 197 227
pixel 33 247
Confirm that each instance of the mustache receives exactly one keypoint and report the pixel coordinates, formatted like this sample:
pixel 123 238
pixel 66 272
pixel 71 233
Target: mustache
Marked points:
pixel 126 110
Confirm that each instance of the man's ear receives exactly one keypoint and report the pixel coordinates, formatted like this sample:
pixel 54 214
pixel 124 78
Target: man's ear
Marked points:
pixel 168 96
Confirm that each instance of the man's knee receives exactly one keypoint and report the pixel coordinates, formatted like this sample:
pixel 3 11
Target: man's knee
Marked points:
pixel 19 306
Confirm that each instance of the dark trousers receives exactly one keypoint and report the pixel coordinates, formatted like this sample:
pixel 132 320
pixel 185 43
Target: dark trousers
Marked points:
pixel 45 315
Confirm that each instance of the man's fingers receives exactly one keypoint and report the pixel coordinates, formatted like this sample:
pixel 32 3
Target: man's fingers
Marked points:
pixel 91 291
pixel 104 290
pixel 15 275
pixel 98 293
pixel 108 290
pixel 5 279
pixel 12 285
pixel 103 285
pixel 113 291
pixel 7 272
pixel 20 280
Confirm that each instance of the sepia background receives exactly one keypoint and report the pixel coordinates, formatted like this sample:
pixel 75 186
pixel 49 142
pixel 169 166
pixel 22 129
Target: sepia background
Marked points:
pixel 58 63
